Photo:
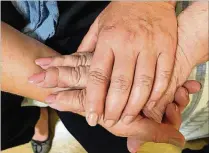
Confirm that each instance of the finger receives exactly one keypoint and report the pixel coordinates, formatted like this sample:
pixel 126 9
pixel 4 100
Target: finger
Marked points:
pixel 142 85
pixel 63 77
pixel 173 115
pixel 160 133
pixel 88 43
pixel 146 129
pixel 76 59
pixel 67 101
pixel 157 112
pixel 120 86
pixel 162 78
pixel 154 132
pixel 181 98
pixel 182 93
pixel 192 86
pixel 98 82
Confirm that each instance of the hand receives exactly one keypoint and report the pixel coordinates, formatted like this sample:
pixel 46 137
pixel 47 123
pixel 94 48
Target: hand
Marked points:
pixel 135 44
pixel 65 71
pixel 172 114
pixel 75 100
pixel 192 50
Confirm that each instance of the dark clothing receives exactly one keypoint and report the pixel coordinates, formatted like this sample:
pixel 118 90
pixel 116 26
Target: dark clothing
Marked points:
pixel 205 149
pixel 18 123
pixel 74 22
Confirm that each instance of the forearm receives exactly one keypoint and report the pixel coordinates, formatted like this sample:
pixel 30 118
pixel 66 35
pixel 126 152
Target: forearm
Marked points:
pixel 17 63
pixel 193 30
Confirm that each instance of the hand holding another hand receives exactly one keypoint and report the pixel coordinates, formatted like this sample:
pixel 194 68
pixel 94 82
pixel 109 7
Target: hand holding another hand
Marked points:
pixel 139 131
pixel 134 46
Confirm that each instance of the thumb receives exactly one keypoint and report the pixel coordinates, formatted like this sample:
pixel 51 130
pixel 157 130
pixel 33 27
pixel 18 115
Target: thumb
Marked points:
pixel 166 134
pixel 160 133
pixel 88 43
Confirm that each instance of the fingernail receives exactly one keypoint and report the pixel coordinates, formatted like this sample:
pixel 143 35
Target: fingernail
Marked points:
pixel 43 61
pixel 109 123
pixel 37 78
pixel 175 142
pixel 92 119
pixel 51 98
pixel 127 119
pixel 151 105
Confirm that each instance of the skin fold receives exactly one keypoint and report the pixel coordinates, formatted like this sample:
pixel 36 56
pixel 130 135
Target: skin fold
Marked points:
pixel 16 71
pixel 54 70
pixel 129 59
pixel 192 49
pixel 19 53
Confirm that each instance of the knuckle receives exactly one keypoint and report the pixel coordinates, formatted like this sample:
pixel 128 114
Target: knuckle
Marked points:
pixel 82 99
pixel 61 98
pixel 164 74
pixel 120 83
pixel 144 81
pixel 145 28
pixel 75 59
pixel 59 81
pixel 81 59
pixel 78 100
pixel 130 35
pixel 75 76
pixel 98 77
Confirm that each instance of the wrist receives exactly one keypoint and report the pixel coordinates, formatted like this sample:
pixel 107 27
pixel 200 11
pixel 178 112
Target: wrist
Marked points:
pixel 193 33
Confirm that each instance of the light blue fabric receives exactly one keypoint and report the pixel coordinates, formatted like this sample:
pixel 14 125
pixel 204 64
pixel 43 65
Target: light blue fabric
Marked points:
pixel 41 17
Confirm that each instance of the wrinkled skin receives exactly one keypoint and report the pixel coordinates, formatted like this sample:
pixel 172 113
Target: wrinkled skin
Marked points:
pixel 74 100
pixel 134 46
pixel 188 55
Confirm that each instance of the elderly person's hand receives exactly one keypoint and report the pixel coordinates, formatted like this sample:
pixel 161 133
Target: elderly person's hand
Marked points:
pixel 135 44
pixel 172 115
pixel 192 50
pixel 139 131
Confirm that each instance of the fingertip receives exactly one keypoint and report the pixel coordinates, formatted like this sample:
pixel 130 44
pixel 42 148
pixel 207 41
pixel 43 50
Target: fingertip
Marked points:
pixel 43 61
pixel 92 118
pixel 37 78
pixel 133 145
pixel 181 97
pixel 192 86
